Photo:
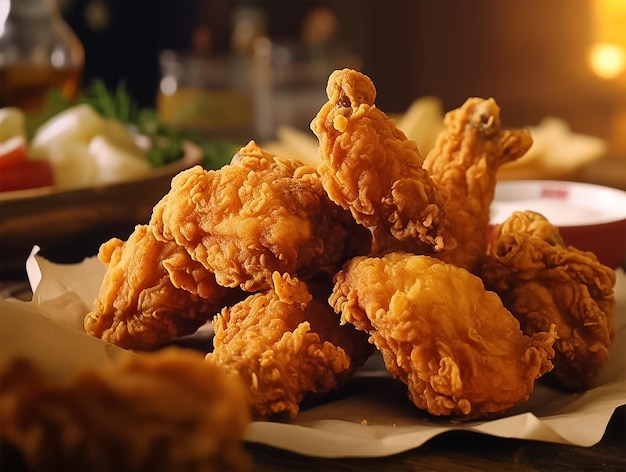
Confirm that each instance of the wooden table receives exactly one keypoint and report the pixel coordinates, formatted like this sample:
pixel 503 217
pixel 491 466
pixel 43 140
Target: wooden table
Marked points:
pixel 461 451
pixel 456 451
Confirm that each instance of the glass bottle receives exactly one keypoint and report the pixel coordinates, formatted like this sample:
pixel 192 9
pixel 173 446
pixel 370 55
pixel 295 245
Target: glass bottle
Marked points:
pixel 38 52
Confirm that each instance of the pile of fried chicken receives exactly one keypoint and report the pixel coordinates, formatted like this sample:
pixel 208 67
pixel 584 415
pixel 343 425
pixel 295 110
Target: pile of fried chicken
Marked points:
pixel 304 272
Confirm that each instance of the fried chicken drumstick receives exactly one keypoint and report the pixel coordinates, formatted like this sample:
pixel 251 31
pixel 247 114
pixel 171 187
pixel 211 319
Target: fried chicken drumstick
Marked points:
pixel 371 168
pixel 544 282
pixel 465 161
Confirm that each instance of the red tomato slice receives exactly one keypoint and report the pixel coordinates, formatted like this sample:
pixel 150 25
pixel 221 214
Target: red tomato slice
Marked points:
pixel 27 174
pixel 12 151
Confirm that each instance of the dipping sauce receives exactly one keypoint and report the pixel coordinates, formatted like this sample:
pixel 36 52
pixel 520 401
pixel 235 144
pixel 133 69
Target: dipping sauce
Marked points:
pixel 589 217
pixel 562 203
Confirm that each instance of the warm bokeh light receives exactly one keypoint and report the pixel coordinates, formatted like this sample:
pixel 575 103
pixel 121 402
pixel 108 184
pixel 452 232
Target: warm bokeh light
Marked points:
pixel 607 60
pixel 607 53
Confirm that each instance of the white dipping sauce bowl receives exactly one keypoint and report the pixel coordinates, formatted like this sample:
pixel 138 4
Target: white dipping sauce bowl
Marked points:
pixel 589 217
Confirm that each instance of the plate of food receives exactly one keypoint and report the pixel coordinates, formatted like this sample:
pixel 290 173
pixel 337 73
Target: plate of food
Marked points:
pixel 82 175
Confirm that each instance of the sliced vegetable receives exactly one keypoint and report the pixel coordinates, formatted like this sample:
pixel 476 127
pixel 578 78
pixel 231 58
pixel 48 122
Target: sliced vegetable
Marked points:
pixel 26 175
pixel 119 134
pixel 66 128
pixel 72 163
pixel 78 123
pixel 114 162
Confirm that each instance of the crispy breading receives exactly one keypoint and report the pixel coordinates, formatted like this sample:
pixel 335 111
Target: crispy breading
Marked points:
pixel 459 350
pixel 370 167
pixel 257 215
pixel 465 161
pixel 285 344
pixel 138 305
pixel 543 281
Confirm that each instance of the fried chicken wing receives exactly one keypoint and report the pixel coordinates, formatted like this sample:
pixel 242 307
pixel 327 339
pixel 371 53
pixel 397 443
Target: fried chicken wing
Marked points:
pixel 459 350
pixel 139 306
pixel 259 214
pixel 543 282
pixel 169 410
pixel 285 344
pixel 370 167
pixel 465 161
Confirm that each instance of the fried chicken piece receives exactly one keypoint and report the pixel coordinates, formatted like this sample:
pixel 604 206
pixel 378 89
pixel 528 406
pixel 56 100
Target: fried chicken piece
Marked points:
pixel 285 344
pixel 543 282
pixel 465 161
pixel 169 410
pixel 257 215
pixel 370 167
pixel 459 350
pixel 139 306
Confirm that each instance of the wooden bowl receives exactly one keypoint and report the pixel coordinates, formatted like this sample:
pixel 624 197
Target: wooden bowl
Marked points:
pixel 70 224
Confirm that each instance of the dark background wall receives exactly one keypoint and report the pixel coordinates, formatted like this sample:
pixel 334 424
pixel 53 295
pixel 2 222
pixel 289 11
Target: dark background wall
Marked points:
pixel 528 54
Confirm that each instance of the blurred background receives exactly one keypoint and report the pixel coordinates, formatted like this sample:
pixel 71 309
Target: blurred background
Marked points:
pixel 531 55
pixel 243 68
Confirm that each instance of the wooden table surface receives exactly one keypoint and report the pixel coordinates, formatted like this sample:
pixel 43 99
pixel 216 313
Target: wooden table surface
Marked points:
pixel 457 451
pixel 461 451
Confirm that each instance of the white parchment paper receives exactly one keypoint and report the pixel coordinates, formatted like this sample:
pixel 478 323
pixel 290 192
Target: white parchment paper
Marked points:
pixel 369 417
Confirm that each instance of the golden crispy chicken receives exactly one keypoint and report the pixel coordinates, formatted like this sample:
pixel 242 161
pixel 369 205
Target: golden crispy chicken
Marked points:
pixel 543 282
pixel 465 160
pixel 169 410
pixel 370 167
pixel 257 215
pixel 139 306
pixel 285 345
pixel 459 350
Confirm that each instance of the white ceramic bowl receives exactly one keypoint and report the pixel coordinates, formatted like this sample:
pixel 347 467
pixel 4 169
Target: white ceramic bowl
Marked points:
pixel 589 217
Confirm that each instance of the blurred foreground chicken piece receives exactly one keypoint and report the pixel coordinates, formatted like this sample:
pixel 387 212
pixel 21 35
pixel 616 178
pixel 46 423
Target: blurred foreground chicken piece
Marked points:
pixel 465 161
pixel 543 282
pixel 168 411
pixel 370 167
pixel 139 305
pixel 257 215
pixel 285 344
pixel 459 350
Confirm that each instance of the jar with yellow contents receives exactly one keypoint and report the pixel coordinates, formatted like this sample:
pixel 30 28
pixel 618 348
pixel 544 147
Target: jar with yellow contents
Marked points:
pixel 38 53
